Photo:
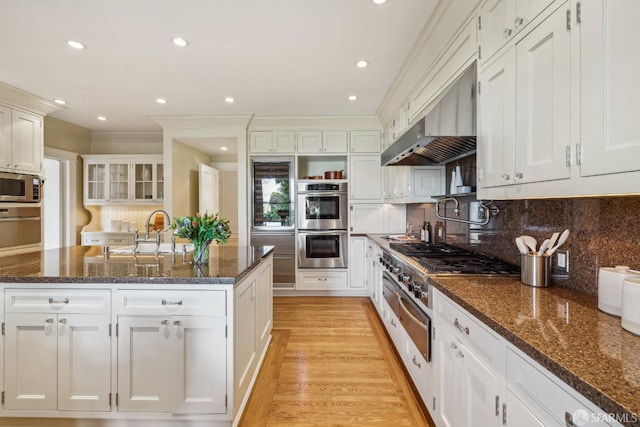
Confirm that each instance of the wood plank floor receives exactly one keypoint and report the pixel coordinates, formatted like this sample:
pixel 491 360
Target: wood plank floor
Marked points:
pixel 331 364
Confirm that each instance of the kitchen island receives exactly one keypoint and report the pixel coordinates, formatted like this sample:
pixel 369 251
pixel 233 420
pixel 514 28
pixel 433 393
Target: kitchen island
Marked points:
pixel 106 339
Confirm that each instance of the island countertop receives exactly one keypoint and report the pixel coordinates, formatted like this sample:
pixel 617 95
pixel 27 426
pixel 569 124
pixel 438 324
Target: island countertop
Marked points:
pixel 87 264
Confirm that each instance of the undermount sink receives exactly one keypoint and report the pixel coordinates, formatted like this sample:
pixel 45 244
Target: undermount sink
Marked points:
pixel 150 248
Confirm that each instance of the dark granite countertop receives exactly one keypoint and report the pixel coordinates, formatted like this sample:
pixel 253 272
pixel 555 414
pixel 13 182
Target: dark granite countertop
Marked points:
pixel 87 264
pixel 560 328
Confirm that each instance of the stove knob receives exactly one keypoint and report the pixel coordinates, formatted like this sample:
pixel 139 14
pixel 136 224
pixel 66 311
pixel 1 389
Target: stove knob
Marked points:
pixel 381 260
pixel 395 269
pixel 411 286
pixel 404 278
pixel 417 291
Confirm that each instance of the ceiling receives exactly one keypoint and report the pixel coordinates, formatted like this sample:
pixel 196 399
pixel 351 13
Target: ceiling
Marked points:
pixel 274 57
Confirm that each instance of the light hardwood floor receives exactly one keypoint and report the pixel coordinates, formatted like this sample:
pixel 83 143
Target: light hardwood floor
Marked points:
pixel 331 364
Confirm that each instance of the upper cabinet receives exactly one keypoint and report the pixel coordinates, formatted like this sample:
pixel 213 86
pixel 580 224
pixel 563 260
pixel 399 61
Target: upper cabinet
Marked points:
pixel 272 142
pixel 610 89
pixel 501 20
pixel 123 178
pixel 20 141
pixel 525 114
pixel 365 178
pixel 413 184
pixel 365 141
pixel 319 142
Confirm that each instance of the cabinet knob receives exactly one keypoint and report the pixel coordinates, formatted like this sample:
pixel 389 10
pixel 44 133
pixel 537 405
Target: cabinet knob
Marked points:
pixel 517 22
pixel 177 323
pixel 164 323
pixel 518 175
pixel 507 32
pixel 504 177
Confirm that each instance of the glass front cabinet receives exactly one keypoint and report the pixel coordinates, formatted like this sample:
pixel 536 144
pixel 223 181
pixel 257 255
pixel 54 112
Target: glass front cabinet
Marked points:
pixel 116 179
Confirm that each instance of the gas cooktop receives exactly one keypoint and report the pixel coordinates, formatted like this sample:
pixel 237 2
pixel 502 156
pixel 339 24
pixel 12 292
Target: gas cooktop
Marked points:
pixel 443 259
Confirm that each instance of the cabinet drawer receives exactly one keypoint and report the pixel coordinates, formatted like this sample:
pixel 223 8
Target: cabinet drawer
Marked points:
pixel 468 329
pixel 540 394
pixel 94 241
pixel 57 301
pixel 322 280
pixel 119 240
pixel 171 302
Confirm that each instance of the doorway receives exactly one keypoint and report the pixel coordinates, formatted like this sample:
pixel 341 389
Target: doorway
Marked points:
pixel 59 198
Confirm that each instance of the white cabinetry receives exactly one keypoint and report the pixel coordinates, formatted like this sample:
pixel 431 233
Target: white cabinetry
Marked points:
pixel 377 218
pixel 172 351
pixel 21 141
pixel 365 141
pixel 413 184
pixel 610 129
pixel 357 262
pixel 374 274
pixel 501 20
pixel 531 83
pixel 272 142
pixel 327 141
pixel 322 280
pixel 123 178
pixel 365 178
pixel 57 350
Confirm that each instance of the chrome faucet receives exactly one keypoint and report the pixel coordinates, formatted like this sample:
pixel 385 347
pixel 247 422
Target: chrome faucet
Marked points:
pixel 147 235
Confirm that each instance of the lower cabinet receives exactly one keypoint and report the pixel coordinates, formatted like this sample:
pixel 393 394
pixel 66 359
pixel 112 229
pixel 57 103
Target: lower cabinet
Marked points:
pixel 357 262
pixel 322 280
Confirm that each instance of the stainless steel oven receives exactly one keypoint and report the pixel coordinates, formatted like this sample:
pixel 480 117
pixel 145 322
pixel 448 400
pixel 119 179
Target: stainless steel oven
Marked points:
pixel 20 226
pixel 322 206
pixel 322 249
pixel 16 187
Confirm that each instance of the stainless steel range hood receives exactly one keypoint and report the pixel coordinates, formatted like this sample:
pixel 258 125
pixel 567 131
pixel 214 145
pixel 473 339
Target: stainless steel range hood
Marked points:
pixel 446 133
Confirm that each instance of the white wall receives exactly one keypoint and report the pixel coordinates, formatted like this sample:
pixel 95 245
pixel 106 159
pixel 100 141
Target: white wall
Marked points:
pixel 52 207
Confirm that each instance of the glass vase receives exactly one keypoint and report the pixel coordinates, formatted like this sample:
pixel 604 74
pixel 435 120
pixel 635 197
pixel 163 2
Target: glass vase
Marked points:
pixel 201 252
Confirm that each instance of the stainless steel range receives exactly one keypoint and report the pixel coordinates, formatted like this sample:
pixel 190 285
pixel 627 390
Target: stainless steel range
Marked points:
pixel 445 260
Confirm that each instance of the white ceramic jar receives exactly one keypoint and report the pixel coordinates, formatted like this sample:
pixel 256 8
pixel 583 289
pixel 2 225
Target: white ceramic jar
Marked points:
pixel 631 305
pixel 610 287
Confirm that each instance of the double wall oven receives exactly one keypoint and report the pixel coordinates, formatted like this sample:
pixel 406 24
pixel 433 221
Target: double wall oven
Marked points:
pixel 322 224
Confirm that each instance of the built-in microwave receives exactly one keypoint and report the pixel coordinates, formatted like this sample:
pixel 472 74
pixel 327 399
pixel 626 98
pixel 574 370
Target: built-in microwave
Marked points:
pixel 16 187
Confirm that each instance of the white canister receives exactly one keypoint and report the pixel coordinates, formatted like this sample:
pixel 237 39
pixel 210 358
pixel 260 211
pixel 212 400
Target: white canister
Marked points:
pixel 610 287
pixel 114 225
pixel 631 305
pixel 124 225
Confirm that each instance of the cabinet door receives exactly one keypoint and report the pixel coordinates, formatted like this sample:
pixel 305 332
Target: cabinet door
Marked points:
pixel 261 142
pixel 284 142
pixel 365 178
pixel 145 363
pixel 26 142
pixel 95 182
pixel 452 397
pixel 335 141
pixel 365 141
pixel 264 307
pixel 84 362
pixel 496 135
pixel 5 137
pixel 199 365
pixel 143 180
pixel 357 263
pixel 119 181
pixel 427 182
pixel 482 390
pixel 543 91
pixel 518 414
pixel 610 89
pixel 159 191
pixel 394 218
pixel 244 327
pixel 309 141
pixel 496 26
pixel 365 218
pixel 31 361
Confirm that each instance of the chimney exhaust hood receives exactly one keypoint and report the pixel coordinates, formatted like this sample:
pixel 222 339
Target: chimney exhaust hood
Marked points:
pixel 446 133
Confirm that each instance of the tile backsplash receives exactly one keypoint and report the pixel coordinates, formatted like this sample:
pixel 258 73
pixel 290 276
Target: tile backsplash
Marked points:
pixel 605 231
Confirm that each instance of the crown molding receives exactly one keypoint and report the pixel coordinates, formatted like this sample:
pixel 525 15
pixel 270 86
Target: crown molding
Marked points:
pixel 27 101
pixel 126 136
pixel 202 122
pixel 315 122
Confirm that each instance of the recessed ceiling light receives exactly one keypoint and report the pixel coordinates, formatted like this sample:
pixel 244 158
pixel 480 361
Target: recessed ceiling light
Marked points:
pixel 60 101
pixel 378 1
pixel 362 63
pixel 161 100
pixel 102 118
pixel 229 100
pixel 75 44
pixel 179 41
pixel 223 148
pixel 352 97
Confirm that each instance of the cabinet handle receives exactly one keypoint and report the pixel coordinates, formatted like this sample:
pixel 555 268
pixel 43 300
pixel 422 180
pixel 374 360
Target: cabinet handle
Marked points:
pixel 504 414
pixel 507 32
pixel 63 321
pixel 415 362
pixel 459 354
pixel 518 175
pixel 517 22
pixel 177 323
pixel 62 301
pixel 393 322
pixel 453 345
pixel 49 321
pixel 568 420
pixel 165 302
pixel 497 406
pixel 165 323
pixel 464 329
pixel 504 177
pixel 322 279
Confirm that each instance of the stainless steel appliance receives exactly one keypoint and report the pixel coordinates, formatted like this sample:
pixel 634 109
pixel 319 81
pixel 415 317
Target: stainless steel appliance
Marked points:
pixel 20 226
pixel 322 205
pixel 322 248
pixel 19 188
pixel 272 184
pixel 409 294
pixel 273 213
pixel 446 260
pixel 284 255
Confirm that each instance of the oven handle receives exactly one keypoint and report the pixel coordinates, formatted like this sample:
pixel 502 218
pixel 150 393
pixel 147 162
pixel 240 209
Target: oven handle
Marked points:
pixel 411 316
pixel 323 194
pixel 335 231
